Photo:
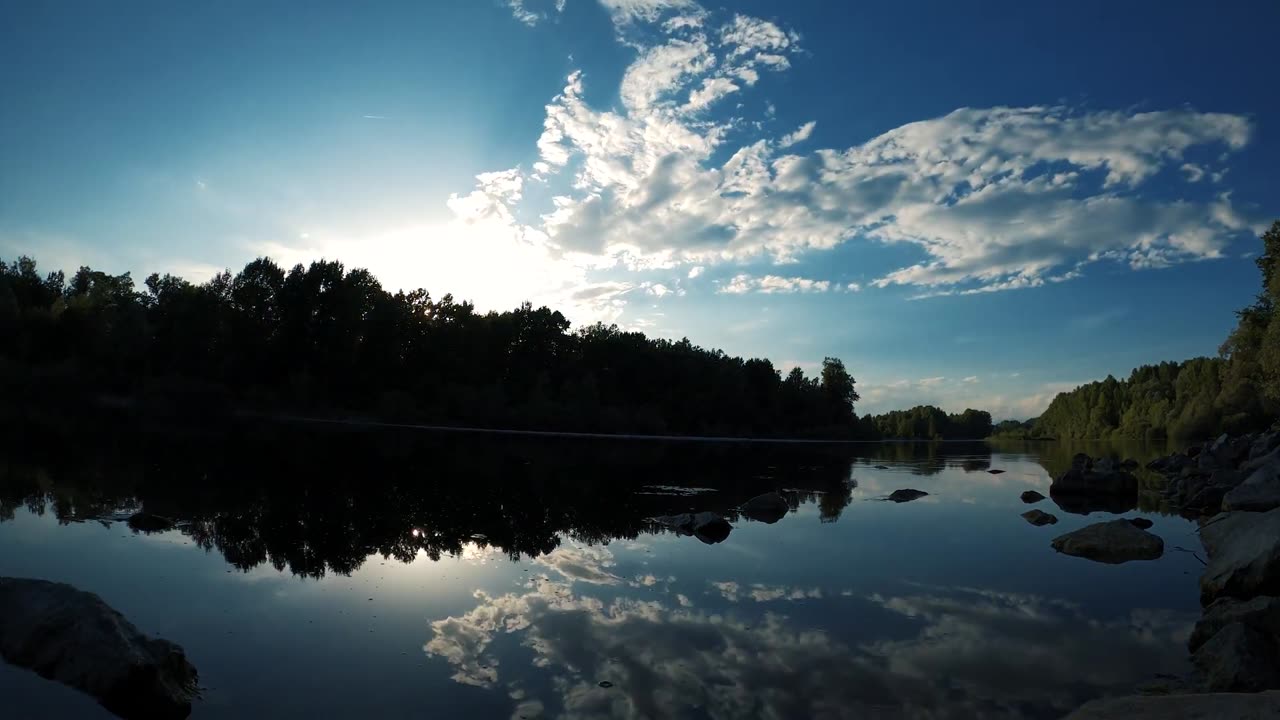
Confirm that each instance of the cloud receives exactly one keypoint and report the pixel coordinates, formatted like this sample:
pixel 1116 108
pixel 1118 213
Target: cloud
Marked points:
pixel 695 271
pixel 970 379
pixel 801 134
pixel 759 592
pixel 989 199
pixel 581 563
pixel 523 14
pixel 966 653
pixel 771 284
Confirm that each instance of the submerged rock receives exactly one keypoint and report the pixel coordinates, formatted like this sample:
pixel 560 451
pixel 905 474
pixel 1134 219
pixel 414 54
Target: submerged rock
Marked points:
pixel 1040 517
pixel 906 495
pixel 75 638
pixel 767 508
pixel 1208 706
pixel 1031 496
pixel 1111 542
pixel 1244 555
pixel 1238 658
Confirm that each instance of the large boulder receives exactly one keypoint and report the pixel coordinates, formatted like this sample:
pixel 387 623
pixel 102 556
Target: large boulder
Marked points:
pixel 1208 706
pixel 1263 444
pixel 1260 490
pixel 768 508
pixel 1111 542
pixel 75 638
pixel 906 495
pixel 1094 477
pixel 1244 555
pixel 711 528
pixel 1261 613
pixel 1238 658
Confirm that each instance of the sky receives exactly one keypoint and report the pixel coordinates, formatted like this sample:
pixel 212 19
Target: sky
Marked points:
pixel 972 204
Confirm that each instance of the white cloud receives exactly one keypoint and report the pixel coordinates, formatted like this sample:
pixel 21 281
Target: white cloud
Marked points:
pixel 801 134
pixel 970 379
pixel 627 11
pixel 966 653
pixel 854 287
pixel 523 14
pixel 770 284
pixel 1194 172
pixel 695 271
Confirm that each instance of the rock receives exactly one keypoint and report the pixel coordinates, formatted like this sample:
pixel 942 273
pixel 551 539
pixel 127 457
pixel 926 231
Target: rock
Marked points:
pixel 1263 445
pixel 1171 464
pixel 1141 523
pixel 708 527
pixel 1254 463
pixel 1086 504
pixel 148 523
pixel 1209 499
pixel 1207 706
pixel 1080 480
pixel 882 467
pixel 711 528
pixel 1230 452
pixel 75 638
pixel 1105 465
pixel 1111 542
pixel 1129 464
pixel 767 508
pixel 1260 613
pixel 1244 555
pixel 1226 478
pixel 1040 518
pixel 1193 451
pixel 906 495
pixel 1207 462
pixel 1253 497
pixel 1031 496
pixel 1238 658
pixel 995 471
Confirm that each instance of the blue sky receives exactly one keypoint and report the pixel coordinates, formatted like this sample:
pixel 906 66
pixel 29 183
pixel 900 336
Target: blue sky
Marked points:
pixel 972 205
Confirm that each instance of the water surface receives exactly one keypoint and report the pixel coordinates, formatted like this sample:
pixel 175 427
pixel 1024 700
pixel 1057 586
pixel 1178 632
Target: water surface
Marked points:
pixel 377 574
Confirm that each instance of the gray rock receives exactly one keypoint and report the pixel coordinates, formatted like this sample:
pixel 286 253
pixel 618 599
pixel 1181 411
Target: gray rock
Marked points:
pixel 1226 478
pixel 1111 542
pixel 1238 658
pixel 711 528
pixel 148 523
pixel 1230 452
pixel 1209 499
pixel 1208 706
pixel 1269 458
pixel 708 527
pixel 1253 497
pixel 1263 445
pixel 1031 496
pixel 1260 613
pixel 906 495
pixel 769 507
pixel 75 638
pixel 1040 518
pixel 1093 478
pixel 1244 555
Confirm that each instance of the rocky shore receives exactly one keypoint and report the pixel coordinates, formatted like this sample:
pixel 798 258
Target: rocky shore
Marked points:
pixel 1231 486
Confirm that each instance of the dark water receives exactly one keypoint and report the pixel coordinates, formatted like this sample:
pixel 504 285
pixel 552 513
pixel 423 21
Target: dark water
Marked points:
pixel 401 575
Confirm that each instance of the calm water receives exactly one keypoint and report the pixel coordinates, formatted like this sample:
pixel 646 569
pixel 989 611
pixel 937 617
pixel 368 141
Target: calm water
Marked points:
pixel 397 575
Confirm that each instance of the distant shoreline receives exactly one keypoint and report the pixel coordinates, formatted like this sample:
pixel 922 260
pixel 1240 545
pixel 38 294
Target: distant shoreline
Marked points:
pixel 582 435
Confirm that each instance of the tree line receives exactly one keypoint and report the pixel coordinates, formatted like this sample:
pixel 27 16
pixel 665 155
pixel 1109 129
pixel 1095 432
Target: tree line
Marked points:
pixel 323 339
pixel 1238 391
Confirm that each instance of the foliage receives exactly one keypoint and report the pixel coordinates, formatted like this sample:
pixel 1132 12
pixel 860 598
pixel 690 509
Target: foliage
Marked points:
pixel 1235 392
pixel 926 422
pixel 324 339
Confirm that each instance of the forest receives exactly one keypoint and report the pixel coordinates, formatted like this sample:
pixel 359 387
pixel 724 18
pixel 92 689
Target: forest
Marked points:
pixel 323 340
pixel 1238 391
